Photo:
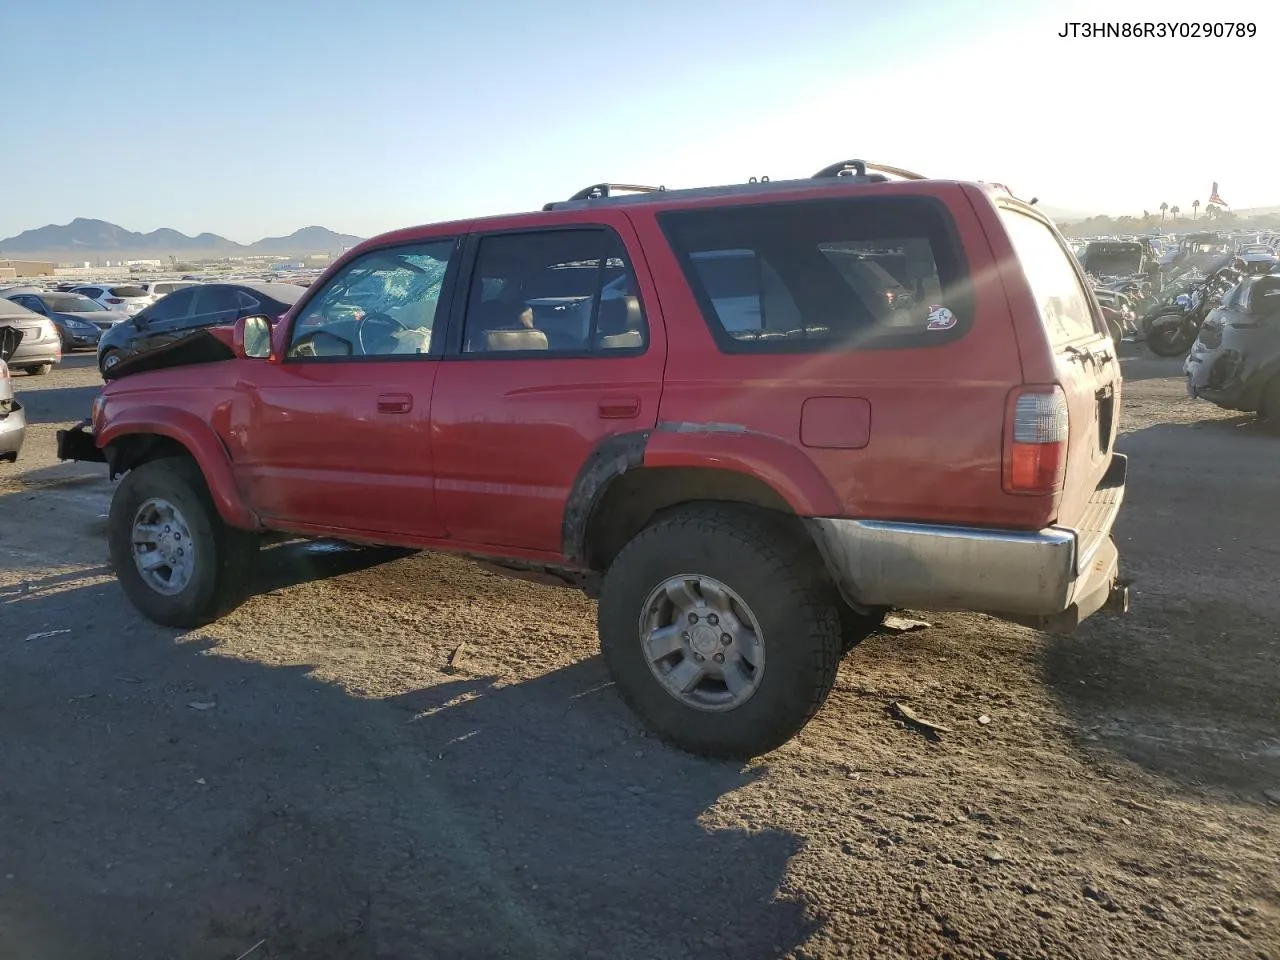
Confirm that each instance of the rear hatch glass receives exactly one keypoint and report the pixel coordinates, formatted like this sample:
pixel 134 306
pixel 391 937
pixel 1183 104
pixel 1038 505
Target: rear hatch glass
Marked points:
pixel 128 292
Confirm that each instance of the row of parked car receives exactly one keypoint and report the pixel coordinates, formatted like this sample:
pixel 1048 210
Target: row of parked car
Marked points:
pixel 114 318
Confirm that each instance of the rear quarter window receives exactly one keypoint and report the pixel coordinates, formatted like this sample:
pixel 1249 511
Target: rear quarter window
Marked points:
pixel 818 275
pixel 1047 265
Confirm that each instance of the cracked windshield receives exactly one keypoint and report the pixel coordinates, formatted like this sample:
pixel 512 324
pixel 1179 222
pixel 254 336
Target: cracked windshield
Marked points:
pixel 696 481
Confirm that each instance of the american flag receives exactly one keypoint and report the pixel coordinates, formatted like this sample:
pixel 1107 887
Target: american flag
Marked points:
pixel 1214 198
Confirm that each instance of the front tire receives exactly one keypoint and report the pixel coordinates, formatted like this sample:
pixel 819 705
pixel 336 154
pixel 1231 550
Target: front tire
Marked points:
pixel 685 584
pixel 39 370
pixel 176 559
pixel 109 359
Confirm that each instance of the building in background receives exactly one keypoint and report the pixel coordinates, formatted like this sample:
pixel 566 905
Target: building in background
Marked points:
pixel 25 268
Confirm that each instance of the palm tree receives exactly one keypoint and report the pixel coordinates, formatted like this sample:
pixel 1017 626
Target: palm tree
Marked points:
pixel 1163 207
pixel 1175 211
pixel 1195 206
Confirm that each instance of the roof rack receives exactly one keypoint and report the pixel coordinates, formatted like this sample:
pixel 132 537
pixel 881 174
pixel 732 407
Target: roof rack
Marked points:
pixel 857 171
pixel 598 191
pixel 859 168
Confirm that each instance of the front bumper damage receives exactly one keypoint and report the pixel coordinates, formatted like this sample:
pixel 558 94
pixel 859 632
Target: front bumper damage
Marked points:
pixel 79 443
pixel 1051 579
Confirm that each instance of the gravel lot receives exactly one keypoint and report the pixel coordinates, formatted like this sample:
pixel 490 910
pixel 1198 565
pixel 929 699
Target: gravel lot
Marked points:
pixel 319 776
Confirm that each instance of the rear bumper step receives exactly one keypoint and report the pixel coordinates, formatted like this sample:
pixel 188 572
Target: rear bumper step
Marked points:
pixel 1051 579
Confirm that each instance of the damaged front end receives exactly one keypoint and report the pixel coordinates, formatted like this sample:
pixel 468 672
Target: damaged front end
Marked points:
pixel 204 345
pixel 1231 365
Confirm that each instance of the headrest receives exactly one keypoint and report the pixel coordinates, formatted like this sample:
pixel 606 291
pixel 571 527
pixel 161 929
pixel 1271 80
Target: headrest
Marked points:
pixel 521 339
pixel 620 315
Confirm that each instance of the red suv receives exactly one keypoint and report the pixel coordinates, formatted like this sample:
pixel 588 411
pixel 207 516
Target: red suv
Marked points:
pixel 749 418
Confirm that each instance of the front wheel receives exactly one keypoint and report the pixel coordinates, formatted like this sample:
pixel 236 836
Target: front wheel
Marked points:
pixel 176 559
pixel 109 359
pixel 1171 335
pixel 721 629
pixel 39 370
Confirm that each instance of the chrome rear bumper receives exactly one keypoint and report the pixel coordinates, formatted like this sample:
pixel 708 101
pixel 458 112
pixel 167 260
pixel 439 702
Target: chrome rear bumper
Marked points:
pixel 1052 578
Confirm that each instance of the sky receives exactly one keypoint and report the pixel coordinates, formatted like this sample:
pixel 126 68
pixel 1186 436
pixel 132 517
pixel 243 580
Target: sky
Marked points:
pixel 252 119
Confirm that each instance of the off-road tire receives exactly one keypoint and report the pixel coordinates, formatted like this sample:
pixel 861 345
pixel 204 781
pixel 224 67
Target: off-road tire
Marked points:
pixel 779 574
pixel 225 555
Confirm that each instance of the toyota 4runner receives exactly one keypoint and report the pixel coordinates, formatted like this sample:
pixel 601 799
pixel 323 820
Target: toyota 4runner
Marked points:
pixel 749 419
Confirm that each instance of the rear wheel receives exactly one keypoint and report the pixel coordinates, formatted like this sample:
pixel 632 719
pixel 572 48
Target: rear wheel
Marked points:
pixel 722 631
pixel 39 370
pixel 177 561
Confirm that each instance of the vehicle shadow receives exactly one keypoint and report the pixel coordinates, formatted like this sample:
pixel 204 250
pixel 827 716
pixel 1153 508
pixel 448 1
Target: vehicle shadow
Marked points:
pixel 1185 685
pixel 179 802
pixel 1138 363
pixel 54 404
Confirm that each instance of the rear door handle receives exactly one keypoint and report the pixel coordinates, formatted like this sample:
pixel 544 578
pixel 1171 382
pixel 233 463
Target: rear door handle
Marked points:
pixel 618 408
pixel 395 403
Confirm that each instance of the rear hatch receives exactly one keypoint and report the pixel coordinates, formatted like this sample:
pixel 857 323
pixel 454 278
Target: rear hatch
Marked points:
pixel 1077 377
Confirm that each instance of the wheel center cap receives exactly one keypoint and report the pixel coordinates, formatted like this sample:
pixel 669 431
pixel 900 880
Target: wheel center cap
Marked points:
pixel 705 639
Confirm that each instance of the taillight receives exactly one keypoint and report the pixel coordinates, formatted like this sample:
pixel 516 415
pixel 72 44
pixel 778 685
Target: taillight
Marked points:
pixel 1036 435
pixel 4 370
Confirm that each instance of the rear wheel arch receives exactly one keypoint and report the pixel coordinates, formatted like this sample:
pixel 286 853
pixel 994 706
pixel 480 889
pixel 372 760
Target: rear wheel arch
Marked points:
pixel 633 499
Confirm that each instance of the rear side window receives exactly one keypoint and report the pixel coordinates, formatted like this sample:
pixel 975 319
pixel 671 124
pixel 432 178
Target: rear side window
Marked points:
pixel 1058 292
pixel 566 292
pixel 824 275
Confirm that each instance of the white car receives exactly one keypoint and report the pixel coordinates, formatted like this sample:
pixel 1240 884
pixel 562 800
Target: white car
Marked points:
pixel 126 297
pixel 162 288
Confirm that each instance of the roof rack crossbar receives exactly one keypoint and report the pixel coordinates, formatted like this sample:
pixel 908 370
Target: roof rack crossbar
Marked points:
pixel 864 169
pixel 599 190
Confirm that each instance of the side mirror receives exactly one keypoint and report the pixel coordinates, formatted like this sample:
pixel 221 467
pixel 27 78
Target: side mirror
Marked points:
pixel 252 337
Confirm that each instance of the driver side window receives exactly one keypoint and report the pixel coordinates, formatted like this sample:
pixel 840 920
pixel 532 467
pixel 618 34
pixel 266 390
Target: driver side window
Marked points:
pixel 382 304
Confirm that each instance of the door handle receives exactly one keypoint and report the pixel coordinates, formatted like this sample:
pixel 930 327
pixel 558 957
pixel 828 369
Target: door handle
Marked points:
pixel 618 408
pixel 395 403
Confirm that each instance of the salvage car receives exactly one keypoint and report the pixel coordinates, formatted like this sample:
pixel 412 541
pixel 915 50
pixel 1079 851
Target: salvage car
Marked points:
pixel 192 307
pixel 1235 361
pixel 13 421
pixel 80 321
pixel 745 499
pixel 41 344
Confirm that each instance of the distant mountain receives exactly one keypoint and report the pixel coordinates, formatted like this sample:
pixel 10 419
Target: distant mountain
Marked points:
pixel 90 239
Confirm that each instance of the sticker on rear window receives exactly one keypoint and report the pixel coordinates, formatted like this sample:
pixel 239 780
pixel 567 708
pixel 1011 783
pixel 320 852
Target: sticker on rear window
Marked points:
pixel 940 318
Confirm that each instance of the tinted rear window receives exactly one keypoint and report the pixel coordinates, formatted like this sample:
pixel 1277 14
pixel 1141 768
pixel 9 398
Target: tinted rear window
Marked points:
pixel 1051 274
pixel 823 275
pixel 128 292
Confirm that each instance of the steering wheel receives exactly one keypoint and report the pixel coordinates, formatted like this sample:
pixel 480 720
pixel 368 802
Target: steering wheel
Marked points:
pixel 384 319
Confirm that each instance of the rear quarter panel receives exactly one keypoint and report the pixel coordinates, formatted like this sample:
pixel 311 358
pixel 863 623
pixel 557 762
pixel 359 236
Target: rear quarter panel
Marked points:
pixel 933 442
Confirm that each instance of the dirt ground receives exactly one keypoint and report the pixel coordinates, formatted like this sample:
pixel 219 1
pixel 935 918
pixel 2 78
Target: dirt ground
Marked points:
pixel 312 777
